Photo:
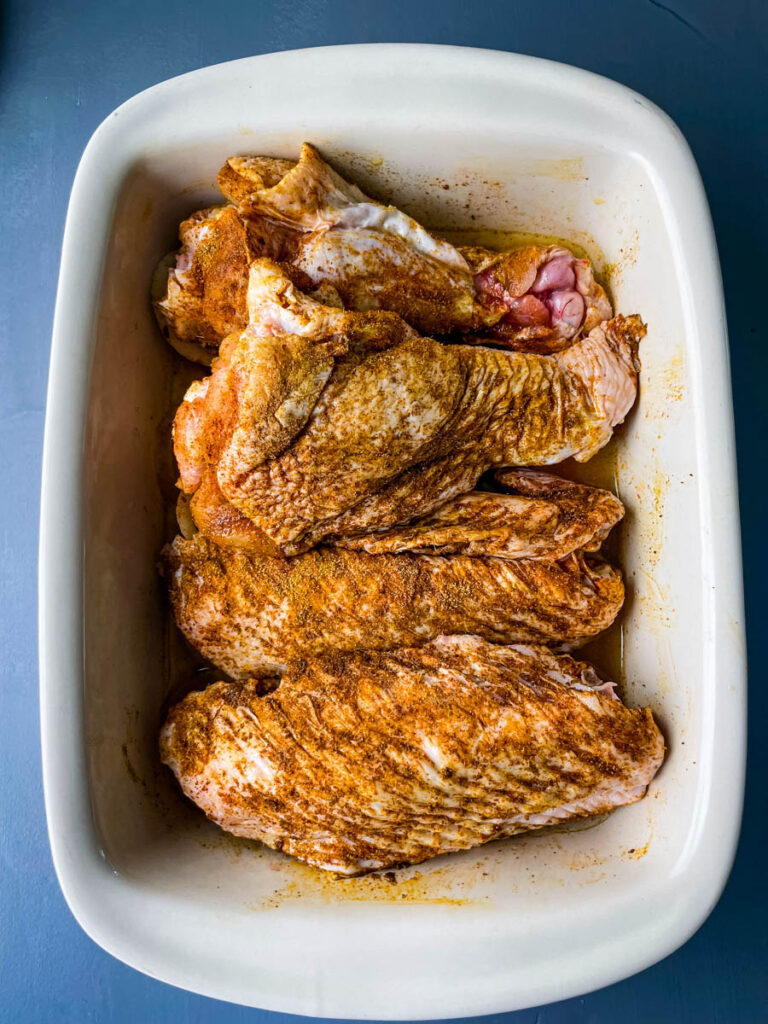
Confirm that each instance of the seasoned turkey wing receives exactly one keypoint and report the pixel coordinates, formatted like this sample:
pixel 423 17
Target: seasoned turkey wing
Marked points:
pixel 200 296
pixel 362 761
pixel 199 293
pixel 252 614
pixel 545 516
pixel 536 298
pixel 321 422
pixel 556 519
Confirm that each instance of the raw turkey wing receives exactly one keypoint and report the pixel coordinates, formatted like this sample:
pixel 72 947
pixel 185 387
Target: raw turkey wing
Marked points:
pixel 320 422
pixel 366 761
pixel 545 517
pixel 373 256
pixel 252 614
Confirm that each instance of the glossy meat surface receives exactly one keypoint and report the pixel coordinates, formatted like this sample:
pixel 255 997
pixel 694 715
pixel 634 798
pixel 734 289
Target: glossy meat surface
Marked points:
pixel 364 761
pixel 252 614
pixel 544 517
pixel 321 422
pixel 374 256
pixel 544 296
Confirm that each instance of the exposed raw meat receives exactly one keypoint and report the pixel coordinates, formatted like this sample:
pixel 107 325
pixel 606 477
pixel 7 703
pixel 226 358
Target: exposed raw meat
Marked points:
pixel 536 298
pixel 545 296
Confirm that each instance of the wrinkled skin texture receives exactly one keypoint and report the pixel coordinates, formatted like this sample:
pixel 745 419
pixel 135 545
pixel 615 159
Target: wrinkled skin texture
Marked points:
pixel 321 422
pixel 375 256
pixel 365 761
pixel 251 614
pixel 536 298
pixel 544 517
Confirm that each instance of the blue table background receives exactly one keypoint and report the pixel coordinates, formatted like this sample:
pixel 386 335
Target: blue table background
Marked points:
pixel 63 68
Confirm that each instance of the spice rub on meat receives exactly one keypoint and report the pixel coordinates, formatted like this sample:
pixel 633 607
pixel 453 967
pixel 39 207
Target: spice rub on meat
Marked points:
pixel 252 614
pixel 320 422
pixel 393 630
pixel 360 761
pixel 544 516
pixel 533 298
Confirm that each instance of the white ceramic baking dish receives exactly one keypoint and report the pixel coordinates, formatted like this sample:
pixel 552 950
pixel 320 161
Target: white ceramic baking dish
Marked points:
pixel 461 138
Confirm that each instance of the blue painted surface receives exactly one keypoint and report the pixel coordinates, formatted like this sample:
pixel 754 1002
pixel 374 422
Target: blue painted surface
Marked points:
pixel 63 67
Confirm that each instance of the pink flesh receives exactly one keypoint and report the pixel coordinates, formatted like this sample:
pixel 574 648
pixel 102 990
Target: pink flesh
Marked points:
pixel 566 307
pixel 552 300
pixel 609 688
pixel 487 283
pixel 527 311
pixel 557 273
pixel 184 260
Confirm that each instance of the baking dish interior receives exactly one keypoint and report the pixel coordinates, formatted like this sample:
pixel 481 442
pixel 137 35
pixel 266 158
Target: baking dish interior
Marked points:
pixel 606 203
